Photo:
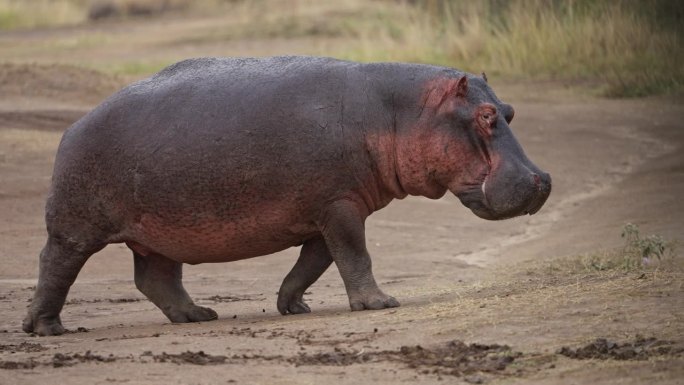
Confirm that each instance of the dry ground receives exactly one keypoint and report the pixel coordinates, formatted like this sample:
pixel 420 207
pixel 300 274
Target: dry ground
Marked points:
pixel 459 278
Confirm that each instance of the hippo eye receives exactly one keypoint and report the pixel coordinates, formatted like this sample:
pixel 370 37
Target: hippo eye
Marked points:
pixel 488 116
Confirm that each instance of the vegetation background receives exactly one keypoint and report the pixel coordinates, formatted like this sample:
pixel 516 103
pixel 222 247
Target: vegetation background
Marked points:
pixel 618 48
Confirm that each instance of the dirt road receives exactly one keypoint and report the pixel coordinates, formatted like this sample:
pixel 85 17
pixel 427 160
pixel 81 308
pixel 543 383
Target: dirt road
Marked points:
pixel 459 278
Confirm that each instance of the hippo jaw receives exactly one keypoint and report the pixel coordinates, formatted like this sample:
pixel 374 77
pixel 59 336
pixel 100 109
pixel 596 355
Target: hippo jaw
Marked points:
pixel 524 196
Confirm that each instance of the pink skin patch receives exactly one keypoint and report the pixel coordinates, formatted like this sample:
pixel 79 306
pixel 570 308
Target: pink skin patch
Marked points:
pixel 265 231
pixel 439 91
pixel 429 158
pixel 138 248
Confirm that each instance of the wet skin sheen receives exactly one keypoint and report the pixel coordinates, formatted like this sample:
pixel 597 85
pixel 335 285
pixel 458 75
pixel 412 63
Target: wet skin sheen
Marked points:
pixel 215 160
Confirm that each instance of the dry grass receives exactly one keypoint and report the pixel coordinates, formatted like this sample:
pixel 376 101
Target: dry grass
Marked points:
pixel 632 49
pixel 621 48
pixel 24 14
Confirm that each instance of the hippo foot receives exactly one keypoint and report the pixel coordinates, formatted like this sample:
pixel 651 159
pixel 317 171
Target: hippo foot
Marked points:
pixel 191 313
pixel 43 326
pixel 292 306
pixel 373 300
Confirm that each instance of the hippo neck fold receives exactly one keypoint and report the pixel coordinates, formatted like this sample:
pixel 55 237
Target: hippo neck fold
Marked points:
pixel 401 149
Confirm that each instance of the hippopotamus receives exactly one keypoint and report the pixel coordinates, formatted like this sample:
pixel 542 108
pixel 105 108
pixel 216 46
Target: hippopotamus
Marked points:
pixel 221 159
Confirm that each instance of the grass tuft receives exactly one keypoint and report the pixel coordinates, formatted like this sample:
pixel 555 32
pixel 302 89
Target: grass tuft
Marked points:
pixel 641 254
pixel 640 250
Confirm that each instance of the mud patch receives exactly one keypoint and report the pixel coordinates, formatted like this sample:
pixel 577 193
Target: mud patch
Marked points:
pixel 323 339
pixel 127 337
pixel 77 301
pixel 60 360
pixel 640 349
pixel 188 357
pixel 302 336
pixel 455 358
pixel 24 347
pixel 13 365
pixel 231 298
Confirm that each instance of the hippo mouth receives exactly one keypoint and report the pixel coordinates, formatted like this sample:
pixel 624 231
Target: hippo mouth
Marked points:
pixel 536 203
pixel 475 198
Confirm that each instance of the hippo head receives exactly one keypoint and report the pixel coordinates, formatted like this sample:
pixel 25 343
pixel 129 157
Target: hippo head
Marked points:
pixel 462 142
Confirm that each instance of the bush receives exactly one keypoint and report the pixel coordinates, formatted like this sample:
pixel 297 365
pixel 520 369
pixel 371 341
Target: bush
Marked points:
pixel 640 251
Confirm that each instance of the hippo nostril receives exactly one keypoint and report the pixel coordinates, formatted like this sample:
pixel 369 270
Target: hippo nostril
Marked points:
pixel 537 181
pixel 543 183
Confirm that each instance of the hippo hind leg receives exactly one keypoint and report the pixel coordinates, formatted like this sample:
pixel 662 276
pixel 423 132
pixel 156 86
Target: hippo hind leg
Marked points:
pixel 159 278
pixel 60 262
pixel 313 260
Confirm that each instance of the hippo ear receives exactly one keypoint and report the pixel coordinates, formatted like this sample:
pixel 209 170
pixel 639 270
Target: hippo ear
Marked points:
pixel 462 87
pixel 484 76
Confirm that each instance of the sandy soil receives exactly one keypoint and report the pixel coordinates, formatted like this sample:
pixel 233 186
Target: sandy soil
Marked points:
pixel 487 302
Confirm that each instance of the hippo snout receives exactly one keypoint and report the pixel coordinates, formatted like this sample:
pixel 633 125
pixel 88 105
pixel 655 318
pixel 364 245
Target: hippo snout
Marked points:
pixel 542 182
pixel 503 196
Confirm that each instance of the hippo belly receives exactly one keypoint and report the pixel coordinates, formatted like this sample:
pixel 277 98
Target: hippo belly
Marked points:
pixel 216 240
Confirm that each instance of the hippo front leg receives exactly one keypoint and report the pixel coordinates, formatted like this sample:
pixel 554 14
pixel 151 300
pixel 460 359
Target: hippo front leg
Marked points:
pixel 344 234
